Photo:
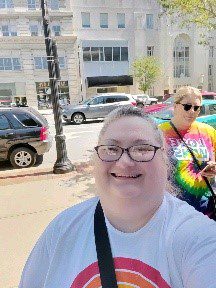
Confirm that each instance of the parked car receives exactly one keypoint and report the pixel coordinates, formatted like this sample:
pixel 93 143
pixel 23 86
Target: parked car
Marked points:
pixel 24 136
pixel 144 99
pixel 209 95
pixel 157 107
pixel 207 113
pixel 96 107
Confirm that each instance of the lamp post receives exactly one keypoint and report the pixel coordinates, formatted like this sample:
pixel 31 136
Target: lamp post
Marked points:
pixel 62 164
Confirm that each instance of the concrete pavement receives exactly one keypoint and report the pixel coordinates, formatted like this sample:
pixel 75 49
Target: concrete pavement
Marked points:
pixel 29 200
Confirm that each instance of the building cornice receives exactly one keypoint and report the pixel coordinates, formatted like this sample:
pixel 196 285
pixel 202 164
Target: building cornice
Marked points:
pixel 16 13
pixel 36 40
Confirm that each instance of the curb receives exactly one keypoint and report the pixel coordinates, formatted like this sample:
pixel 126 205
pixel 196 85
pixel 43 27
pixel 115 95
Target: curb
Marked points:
pixel 34 172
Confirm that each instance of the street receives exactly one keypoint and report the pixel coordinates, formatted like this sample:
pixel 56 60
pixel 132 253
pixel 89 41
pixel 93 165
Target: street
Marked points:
pixel 80 140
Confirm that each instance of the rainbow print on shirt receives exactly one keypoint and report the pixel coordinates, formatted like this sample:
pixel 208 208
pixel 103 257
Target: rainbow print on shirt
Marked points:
pixel 185 175
pixel 130 273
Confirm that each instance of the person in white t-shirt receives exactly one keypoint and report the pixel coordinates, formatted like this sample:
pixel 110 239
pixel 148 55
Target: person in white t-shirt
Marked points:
pixel 156 239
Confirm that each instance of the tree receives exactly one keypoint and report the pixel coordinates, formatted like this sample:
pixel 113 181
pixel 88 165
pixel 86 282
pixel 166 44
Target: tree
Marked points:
pixel 200 12
pixel 146 70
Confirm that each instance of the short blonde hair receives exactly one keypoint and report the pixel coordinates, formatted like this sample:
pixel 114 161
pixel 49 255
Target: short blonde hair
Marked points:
pixel 185 91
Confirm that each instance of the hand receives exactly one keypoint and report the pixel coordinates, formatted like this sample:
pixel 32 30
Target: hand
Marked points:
pixel 209 170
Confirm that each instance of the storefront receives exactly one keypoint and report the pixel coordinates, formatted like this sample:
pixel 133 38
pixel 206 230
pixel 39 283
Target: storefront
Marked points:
pixel 44 94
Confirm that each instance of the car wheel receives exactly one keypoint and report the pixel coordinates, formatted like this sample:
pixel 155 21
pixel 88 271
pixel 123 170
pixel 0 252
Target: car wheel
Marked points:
pixel 22 157
pixel 78 118
pixel 140 105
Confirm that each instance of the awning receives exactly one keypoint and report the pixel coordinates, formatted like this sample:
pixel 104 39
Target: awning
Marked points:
pixel 122 80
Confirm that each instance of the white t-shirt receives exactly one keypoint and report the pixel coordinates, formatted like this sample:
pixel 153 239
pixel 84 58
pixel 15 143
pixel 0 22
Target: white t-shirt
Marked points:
pixel 176 248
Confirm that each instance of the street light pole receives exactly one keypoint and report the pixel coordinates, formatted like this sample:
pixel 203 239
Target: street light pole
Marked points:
pixel 62 164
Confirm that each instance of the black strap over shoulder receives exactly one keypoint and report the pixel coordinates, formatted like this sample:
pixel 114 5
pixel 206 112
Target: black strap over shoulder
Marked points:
pixel 198 165
pixel 104 252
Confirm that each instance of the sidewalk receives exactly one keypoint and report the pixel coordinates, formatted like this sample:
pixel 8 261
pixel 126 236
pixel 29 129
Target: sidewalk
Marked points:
pixel 28 202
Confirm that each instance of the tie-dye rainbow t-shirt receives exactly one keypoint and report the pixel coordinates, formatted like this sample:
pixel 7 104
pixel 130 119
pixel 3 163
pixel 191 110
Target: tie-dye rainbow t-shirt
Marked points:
pixel 184 174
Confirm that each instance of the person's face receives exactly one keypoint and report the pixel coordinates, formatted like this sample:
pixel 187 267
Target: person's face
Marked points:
pixel 187 117
pixel 127 178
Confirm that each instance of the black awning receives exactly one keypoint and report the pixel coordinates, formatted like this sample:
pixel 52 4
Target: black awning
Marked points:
pixel 122 80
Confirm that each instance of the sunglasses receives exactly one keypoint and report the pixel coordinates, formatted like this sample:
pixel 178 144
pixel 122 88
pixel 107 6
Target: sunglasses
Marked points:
pixel 187 107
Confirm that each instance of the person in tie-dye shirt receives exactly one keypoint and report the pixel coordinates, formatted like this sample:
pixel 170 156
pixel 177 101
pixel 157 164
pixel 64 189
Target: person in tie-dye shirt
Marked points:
pixel 186 178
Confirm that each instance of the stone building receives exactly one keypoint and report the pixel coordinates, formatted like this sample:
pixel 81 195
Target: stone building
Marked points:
pixel 112 33
pixel 23 66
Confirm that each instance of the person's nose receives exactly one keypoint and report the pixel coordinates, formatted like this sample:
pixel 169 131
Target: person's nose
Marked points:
pixel 125 160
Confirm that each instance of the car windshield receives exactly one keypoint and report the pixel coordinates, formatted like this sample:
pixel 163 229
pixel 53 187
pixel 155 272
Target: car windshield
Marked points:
pixel 170 100
pixel 164 114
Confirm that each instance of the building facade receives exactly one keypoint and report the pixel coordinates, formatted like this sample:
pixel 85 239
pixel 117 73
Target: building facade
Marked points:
pixel 113 33
pixel 23 64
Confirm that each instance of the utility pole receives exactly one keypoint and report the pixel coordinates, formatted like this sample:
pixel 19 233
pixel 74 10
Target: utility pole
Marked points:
pixel 62 164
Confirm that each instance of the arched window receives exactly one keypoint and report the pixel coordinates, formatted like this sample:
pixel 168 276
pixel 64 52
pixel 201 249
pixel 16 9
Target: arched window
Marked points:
pixel 181 58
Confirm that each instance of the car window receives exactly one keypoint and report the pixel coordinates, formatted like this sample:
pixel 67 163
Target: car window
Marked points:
pixel 212 109
pixel 209 97
pixel 26 120
pixel 110 99
pixel 4 123
pixel 122 98
pixel 97 100
pixel 202 111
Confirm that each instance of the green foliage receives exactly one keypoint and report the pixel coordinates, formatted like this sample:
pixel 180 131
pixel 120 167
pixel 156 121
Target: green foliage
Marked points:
pixel 146 70
pixel 200 12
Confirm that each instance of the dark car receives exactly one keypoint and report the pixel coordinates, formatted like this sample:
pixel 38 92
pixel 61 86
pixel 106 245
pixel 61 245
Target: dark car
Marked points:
pixel 24 136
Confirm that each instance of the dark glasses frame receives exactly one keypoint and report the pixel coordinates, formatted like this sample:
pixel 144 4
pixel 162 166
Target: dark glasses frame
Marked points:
pixel 188 107
pixel 127 150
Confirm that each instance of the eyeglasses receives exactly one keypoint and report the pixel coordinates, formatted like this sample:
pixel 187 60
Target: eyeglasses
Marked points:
pixel 187 107
pixel 138 153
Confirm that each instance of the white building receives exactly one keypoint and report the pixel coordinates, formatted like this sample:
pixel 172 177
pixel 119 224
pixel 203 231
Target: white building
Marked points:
pixel 112 33
pixel 23 65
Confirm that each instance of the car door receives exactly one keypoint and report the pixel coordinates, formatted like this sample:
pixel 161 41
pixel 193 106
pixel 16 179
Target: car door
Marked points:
pixel 6 135
pixel 95 108
pixel 111 103
pixel 208 114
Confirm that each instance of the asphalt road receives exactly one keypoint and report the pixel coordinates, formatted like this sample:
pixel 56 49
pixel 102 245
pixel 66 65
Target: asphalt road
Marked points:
pixel 80 140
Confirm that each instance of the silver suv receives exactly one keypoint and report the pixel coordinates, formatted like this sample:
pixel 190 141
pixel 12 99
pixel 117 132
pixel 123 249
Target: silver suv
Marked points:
pixel 96 107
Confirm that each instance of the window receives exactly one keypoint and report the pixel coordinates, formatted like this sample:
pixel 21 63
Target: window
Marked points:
pixel 5 30
pixel 149 21
pixel 33 30
pixel 211 51
pixel 85 19
pixel 95 53
pixel 150 50
pixel 62 64
pixel 10 64
pixel 105 54
pixel 86 54
pixel 9 30
pixel 124 53
pixel 97 100
pixel 104 20
pixel 212 109
pixel 31 4
pixel 181 60
pixel 6 4
pixel 116 54
pixel 40 63
pixel 54 4
pixel 56 30
pixel 108 53
pixel 121 20
pixel 26 120
pixel 4 124
pixel 210 70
